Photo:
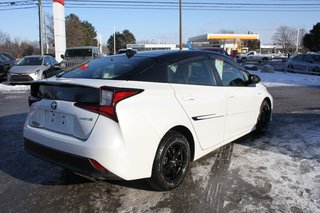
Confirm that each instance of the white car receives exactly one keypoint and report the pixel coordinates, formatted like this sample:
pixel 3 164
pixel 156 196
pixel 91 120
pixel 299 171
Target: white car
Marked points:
pixel 32 68
pixel 144 115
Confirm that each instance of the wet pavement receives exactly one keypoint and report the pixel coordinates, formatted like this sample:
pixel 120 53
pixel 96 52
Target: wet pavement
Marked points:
pixel 278 172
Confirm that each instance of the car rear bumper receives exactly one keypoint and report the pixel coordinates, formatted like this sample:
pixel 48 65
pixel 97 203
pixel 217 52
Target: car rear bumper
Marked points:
pixel 106 144
pixel 66 160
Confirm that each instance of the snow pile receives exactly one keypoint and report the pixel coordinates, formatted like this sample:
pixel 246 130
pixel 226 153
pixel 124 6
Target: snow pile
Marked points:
pixel 5 87
pixel 287 79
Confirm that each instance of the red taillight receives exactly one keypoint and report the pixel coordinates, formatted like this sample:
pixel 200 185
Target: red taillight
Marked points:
pixel 109 97
pixel 97 165
pixel 33 99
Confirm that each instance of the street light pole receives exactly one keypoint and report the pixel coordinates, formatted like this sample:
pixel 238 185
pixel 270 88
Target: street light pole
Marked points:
pixel 180 24
pixel 40 26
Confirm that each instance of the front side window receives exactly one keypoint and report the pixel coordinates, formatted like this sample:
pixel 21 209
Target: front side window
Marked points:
pixel 195 73
pixel 230 74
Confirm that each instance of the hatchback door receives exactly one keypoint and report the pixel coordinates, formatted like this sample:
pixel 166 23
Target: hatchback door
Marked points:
pixel 54 108
pixel 205 105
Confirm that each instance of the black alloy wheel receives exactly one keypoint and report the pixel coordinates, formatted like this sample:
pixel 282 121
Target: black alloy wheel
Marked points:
pixel 171 162
pixel 264 118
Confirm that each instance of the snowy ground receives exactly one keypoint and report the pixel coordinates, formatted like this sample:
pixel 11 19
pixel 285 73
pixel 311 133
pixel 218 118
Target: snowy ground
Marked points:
pixel 277 78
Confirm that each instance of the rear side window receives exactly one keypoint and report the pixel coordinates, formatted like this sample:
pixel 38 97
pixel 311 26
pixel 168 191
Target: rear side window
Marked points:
pixel 195 73
pixel 156 73
pixel 114 67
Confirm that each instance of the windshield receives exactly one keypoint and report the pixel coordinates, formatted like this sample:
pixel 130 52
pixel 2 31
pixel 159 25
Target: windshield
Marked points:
pixel 30 61
pixel 78 53
pixel 112 67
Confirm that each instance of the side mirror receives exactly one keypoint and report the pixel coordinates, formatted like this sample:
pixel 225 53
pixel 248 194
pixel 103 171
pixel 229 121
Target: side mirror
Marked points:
pixel 57 67
pixel 254 79
pixel 62 56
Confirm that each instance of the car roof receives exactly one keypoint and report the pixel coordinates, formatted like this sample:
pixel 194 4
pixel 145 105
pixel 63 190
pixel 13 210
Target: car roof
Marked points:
pixel 171 56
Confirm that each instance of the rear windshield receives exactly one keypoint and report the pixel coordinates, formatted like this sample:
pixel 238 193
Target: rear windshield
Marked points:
pixel 112 67
pixel 78 53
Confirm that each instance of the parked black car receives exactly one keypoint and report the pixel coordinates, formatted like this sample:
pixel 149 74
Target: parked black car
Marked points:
pixel 10 57
pixel 5 65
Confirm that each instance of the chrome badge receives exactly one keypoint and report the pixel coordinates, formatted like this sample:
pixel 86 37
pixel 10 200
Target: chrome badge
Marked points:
pixel 54 105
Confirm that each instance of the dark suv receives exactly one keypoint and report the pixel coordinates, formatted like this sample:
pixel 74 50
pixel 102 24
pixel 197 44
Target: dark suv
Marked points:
pixel 77 55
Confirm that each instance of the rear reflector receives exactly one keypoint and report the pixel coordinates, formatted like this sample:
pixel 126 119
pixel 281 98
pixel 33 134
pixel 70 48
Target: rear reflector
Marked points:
pixel 109 98
pixel 97 165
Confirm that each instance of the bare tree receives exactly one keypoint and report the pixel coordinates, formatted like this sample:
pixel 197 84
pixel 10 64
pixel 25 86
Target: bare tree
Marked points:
pixel 50 30
pixel 286 37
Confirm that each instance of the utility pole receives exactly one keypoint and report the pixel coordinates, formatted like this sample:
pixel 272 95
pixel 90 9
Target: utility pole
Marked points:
pixel 40 26
pixel 114 40
pixel 180 24
pixel 45 33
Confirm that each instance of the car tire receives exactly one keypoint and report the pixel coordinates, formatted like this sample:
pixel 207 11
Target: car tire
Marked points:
pixel 264 117
pixel 171 162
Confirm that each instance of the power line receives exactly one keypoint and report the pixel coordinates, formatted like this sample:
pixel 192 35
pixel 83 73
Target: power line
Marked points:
pixel 170 5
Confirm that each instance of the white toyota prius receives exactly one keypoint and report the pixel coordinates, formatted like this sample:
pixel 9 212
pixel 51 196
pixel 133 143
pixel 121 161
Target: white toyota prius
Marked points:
pixel 144 115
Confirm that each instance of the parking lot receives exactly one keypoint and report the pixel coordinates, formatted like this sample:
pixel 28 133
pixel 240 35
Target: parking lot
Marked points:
pixel 279 172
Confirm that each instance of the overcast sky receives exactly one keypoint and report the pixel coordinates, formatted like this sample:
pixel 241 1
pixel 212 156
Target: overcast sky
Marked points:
pixel 162 24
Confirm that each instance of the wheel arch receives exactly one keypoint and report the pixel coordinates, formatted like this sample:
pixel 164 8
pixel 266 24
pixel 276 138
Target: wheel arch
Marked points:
pixel 187 133
pixel 267 99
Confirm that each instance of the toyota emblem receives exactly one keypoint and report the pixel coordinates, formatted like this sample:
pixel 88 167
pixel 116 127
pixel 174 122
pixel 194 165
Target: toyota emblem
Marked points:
pixel 54 105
